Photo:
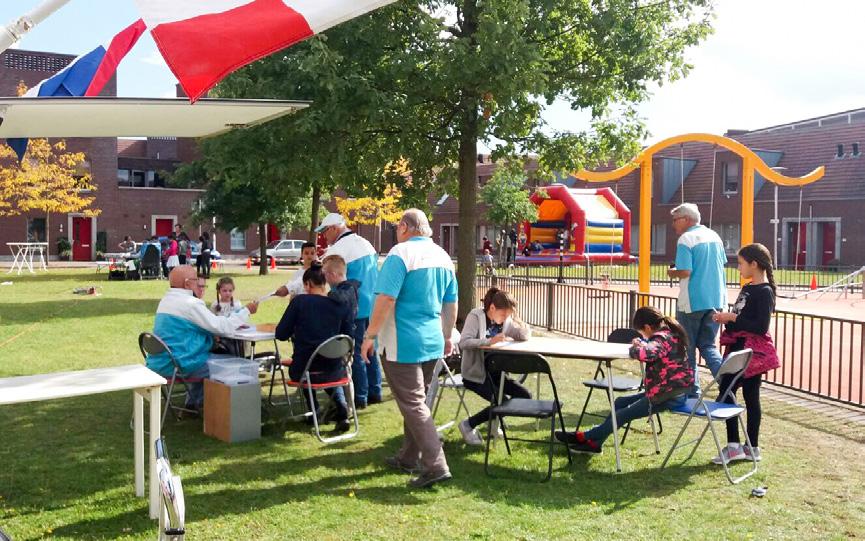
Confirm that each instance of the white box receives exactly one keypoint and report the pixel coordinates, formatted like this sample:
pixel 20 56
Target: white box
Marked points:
pixel 233 371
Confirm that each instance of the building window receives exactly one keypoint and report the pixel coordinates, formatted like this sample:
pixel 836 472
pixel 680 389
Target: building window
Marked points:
pixel 238 239
pixel 730 235
pixel 730 177
pixel 123 177
pixel 36 230
pixel 659 239
pixel 839 152
pixel 855 152
pixel 138 179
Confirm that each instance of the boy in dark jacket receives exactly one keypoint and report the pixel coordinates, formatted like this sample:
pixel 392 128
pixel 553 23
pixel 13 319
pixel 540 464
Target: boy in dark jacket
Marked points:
pixel 342 290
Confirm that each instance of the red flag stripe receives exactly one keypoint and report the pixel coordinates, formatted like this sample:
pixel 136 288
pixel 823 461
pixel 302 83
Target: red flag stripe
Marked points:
pixel 120 45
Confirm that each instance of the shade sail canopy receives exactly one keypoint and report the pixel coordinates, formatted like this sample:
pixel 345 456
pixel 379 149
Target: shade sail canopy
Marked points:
pixel 134 117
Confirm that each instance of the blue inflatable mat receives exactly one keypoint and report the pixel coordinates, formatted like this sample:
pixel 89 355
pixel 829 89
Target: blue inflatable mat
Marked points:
pixel 603 248
pixel 605 223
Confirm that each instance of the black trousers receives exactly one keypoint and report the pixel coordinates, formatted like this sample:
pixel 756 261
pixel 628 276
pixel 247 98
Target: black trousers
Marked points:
pixel 751 393
pixel 487 391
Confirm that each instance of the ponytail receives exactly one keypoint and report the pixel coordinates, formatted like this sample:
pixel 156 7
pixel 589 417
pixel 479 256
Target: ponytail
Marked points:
pixel 314 275
pixel 651 316
pixel 488 298
pixel 678 331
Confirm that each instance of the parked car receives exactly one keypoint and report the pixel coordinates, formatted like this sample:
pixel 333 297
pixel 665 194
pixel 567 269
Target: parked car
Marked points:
pixel 285 251
pixel 195 249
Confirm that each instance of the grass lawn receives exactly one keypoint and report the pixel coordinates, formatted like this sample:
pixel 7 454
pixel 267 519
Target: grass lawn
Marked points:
pixel 67 464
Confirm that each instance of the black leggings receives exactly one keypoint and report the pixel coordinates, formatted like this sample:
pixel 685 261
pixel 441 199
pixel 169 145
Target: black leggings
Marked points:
pixel 751 393
pixel 487 391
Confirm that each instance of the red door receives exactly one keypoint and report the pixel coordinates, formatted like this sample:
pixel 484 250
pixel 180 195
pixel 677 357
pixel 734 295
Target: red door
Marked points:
pixel 81 238
pixel 273 233
pixel 164 226
pixel 828 242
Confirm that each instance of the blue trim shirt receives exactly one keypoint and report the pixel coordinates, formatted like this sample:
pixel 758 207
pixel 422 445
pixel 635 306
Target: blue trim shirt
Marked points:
pixel 361 262
pixel 701 251
pixel 420 276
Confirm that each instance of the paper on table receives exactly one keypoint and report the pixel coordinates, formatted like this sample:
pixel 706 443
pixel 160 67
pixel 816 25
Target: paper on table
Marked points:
pixel 266 297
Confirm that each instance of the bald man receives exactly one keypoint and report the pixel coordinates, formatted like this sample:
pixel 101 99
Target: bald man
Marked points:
pixel 185 324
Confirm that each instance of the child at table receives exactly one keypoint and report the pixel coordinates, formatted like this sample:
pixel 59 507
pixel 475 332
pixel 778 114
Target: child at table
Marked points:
pixel 663 348
pixel 747 326
pixel 495 322
pixel 225 305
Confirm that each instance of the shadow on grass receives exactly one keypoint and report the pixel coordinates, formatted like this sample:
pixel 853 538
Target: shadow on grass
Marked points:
pixel 74 308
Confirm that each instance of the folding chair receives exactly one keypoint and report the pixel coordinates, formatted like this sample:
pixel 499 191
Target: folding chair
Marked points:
pixel 521 363
pixel 150 344
pixel 276 366
pixel 151 266
pixel 446 376
pixel 735 363
pixel 172 515
pixel 341 347
pixel 621 384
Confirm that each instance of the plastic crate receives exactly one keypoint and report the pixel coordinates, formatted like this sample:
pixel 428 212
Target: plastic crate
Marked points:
pixel 233 371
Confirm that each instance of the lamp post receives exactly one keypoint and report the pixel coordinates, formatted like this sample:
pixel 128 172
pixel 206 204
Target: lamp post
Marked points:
pixel 561 279
pixel 774 221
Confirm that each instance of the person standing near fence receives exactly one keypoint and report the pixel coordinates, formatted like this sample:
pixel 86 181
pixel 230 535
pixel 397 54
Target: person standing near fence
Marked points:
pixel 700 261
pixel 412 320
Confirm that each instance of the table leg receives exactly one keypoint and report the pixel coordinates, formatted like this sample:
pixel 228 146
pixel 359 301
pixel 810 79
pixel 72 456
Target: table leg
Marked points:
pixel 613 415
pixel 42 258
pixel 28 258
pixel 138 421
pixel 155 426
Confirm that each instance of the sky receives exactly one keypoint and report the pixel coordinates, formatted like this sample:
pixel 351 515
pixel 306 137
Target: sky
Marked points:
pixel 769 62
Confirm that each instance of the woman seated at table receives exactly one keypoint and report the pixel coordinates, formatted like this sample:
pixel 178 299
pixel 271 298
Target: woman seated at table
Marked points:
pixel 663 348
pixel 128 245
pixel 309 320
pixel 495 322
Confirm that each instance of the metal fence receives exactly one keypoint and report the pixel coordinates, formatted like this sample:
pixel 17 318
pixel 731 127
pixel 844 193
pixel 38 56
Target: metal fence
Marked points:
pixel 792 279
pixel 822 356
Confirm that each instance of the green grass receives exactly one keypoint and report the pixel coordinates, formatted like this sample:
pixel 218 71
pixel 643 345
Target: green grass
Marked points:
pixel 67 464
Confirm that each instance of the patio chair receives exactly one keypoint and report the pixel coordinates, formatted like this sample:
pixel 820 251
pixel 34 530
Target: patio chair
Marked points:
pixel 341 347
pixel 150 344
pixel 713 411
pixel 521 363
pixel 621 384
pixel 151 265
pixel 446 376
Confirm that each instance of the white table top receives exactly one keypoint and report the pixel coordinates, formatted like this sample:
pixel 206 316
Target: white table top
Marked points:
pixel 571 348
pixel 252 335
pixel 78 383
pixel 28 244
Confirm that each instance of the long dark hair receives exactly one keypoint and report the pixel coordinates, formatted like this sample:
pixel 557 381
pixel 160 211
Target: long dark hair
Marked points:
pixel 223 281
pixel 498 298
pixel 759 253
pixel 314 275
pixel 651 316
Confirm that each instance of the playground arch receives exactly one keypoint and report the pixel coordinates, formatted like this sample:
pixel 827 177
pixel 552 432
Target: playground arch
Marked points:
pixel 751 162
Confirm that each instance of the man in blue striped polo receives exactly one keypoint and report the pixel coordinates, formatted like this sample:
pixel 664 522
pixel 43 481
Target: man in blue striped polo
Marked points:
pixel 412 320
pixel 362 265
pixel 700 262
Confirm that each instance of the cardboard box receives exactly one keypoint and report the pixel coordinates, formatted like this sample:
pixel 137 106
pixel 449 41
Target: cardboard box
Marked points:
pixel 232 413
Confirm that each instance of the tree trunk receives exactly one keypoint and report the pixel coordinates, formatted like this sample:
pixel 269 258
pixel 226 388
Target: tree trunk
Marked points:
pixel 468 175
pixel 48 238
pixel 263 263
pixel 314 219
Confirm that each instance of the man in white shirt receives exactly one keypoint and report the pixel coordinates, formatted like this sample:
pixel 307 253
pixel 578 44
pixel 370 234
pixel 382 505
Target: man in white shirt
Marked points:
pixel 295 285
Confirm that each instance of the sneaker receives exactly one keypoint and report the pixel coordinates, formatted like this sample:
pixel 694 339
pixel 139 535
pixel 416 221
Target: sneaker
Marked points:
pixel 395 463
pixel 586 446
pixel 749 451
pixel 428 479
pixel 470 435
pixel 373 399
pixel 359 405
pixel 342 426
pixel 570 437
pixel 731 453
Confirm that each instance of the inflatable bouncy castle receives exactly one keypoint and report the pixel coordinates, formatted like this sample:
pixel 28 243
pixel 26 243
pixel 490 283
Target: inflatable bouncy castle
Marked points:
pixel 594 224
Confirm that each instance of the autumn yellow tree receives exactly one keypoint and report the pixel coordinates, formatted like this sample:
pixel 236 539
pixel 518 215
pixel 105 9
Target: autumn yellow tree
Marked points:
pixel 371 210
pixel 48 179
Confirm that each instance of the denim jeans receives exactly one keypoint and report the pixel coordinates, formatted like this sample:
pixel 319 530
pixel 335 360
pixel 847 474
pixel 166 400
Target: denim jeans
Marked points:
pixel 195 391
pixel 628 408
pixel 366 377
pixel 487 390
pixel 702 334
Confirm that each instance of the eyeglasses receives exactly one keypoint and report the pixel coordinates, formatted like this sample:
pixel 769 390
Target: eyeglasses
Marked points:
pixel 199 285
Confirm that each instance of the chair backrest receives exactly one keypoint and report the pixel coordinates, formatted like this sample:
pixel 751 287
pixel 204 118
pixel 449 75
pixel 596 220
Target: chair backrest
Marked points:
pixel 735 362
pixel 150 344
pixel 517 363
pixel 151 256
pixel 340 346
pixel 622 336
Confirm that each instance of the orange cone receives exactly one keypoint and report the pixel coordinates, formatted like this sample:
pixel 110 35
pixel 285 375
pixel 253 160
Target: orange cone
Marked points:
pixel 273 263
pixel 813 282
pixel 248 263
pixel 213 265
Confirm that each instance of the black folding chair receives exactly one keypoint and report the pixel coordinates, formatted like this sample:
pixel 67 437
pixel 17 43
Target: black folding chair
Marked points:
pixel 621 384
pixel 521 363
pixel 150 344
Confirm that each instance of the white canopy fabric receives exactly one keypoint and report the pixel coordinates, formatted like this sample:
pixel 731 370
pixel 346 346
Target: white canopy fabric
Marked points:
pixel 134 117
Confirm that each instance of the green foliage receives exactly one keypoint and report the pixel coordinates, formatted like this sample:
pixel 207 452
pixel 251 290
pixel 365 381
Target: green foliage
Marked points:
pixel 507 198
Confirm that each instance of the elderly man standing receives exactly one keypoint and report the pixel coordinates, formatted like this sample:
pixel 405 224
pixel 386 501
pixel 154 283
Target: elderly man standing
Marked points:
pixel 412 319
pixel 187 326
pixel 700 261
pixel 361 261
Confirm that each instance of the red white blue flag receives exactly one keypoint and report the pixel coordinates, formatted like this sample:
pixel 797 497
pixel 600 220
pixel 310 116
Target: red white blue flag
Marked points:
pixel 202 42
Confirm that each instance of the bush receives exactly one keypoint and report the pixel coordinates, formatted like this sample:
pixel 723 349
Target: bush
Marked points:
pixel 64 248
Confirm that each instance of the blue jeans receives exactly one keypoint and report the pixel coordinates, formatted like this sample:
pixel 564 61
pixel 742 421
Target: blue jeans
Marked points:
pixel 628 408
pixel 366 377
pixel 195 391
pixel 702 333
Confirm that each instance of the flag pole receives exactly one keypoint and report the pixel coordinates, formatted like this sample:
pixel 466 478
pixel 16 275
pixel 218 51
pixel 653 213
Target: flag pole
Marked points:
pixel 15 30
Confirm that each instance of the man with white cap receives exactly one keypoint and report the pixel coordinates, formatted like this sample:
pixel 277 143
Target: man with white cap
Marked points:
pixel 362 265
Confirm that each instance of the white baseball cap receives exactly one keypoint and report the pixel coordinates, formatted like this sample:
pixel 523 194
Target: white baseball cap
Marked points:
pixel 331 219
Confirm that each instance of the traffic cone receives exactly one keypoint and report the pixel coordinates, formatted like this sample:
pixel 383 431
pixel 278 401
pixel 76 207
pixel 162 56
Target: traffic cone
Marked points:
pixel 213 265
pixel 813 282
pixel 248 263
pixel 272 263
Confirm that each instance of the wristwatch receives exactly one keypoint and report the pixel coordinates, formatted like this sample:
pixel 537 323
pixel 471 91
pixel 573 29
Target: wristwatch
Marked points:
pixel 370 336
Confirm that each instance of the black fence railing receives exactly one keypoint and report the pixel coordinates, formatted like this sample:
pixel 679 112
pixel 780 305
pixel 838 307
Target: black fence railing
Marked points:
pixel 599 273
pixel 822 356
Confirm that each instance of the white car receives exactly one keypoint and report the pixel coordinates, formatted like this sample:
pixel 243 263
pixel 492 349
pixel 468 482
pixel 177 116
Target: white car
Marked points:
pixel 286 251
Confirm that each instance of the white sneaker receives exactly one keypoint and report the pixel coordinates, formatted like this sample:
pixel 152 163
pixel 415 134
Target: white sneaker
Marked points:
pixel 731 453
pixel 470 435
pixel 752 451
